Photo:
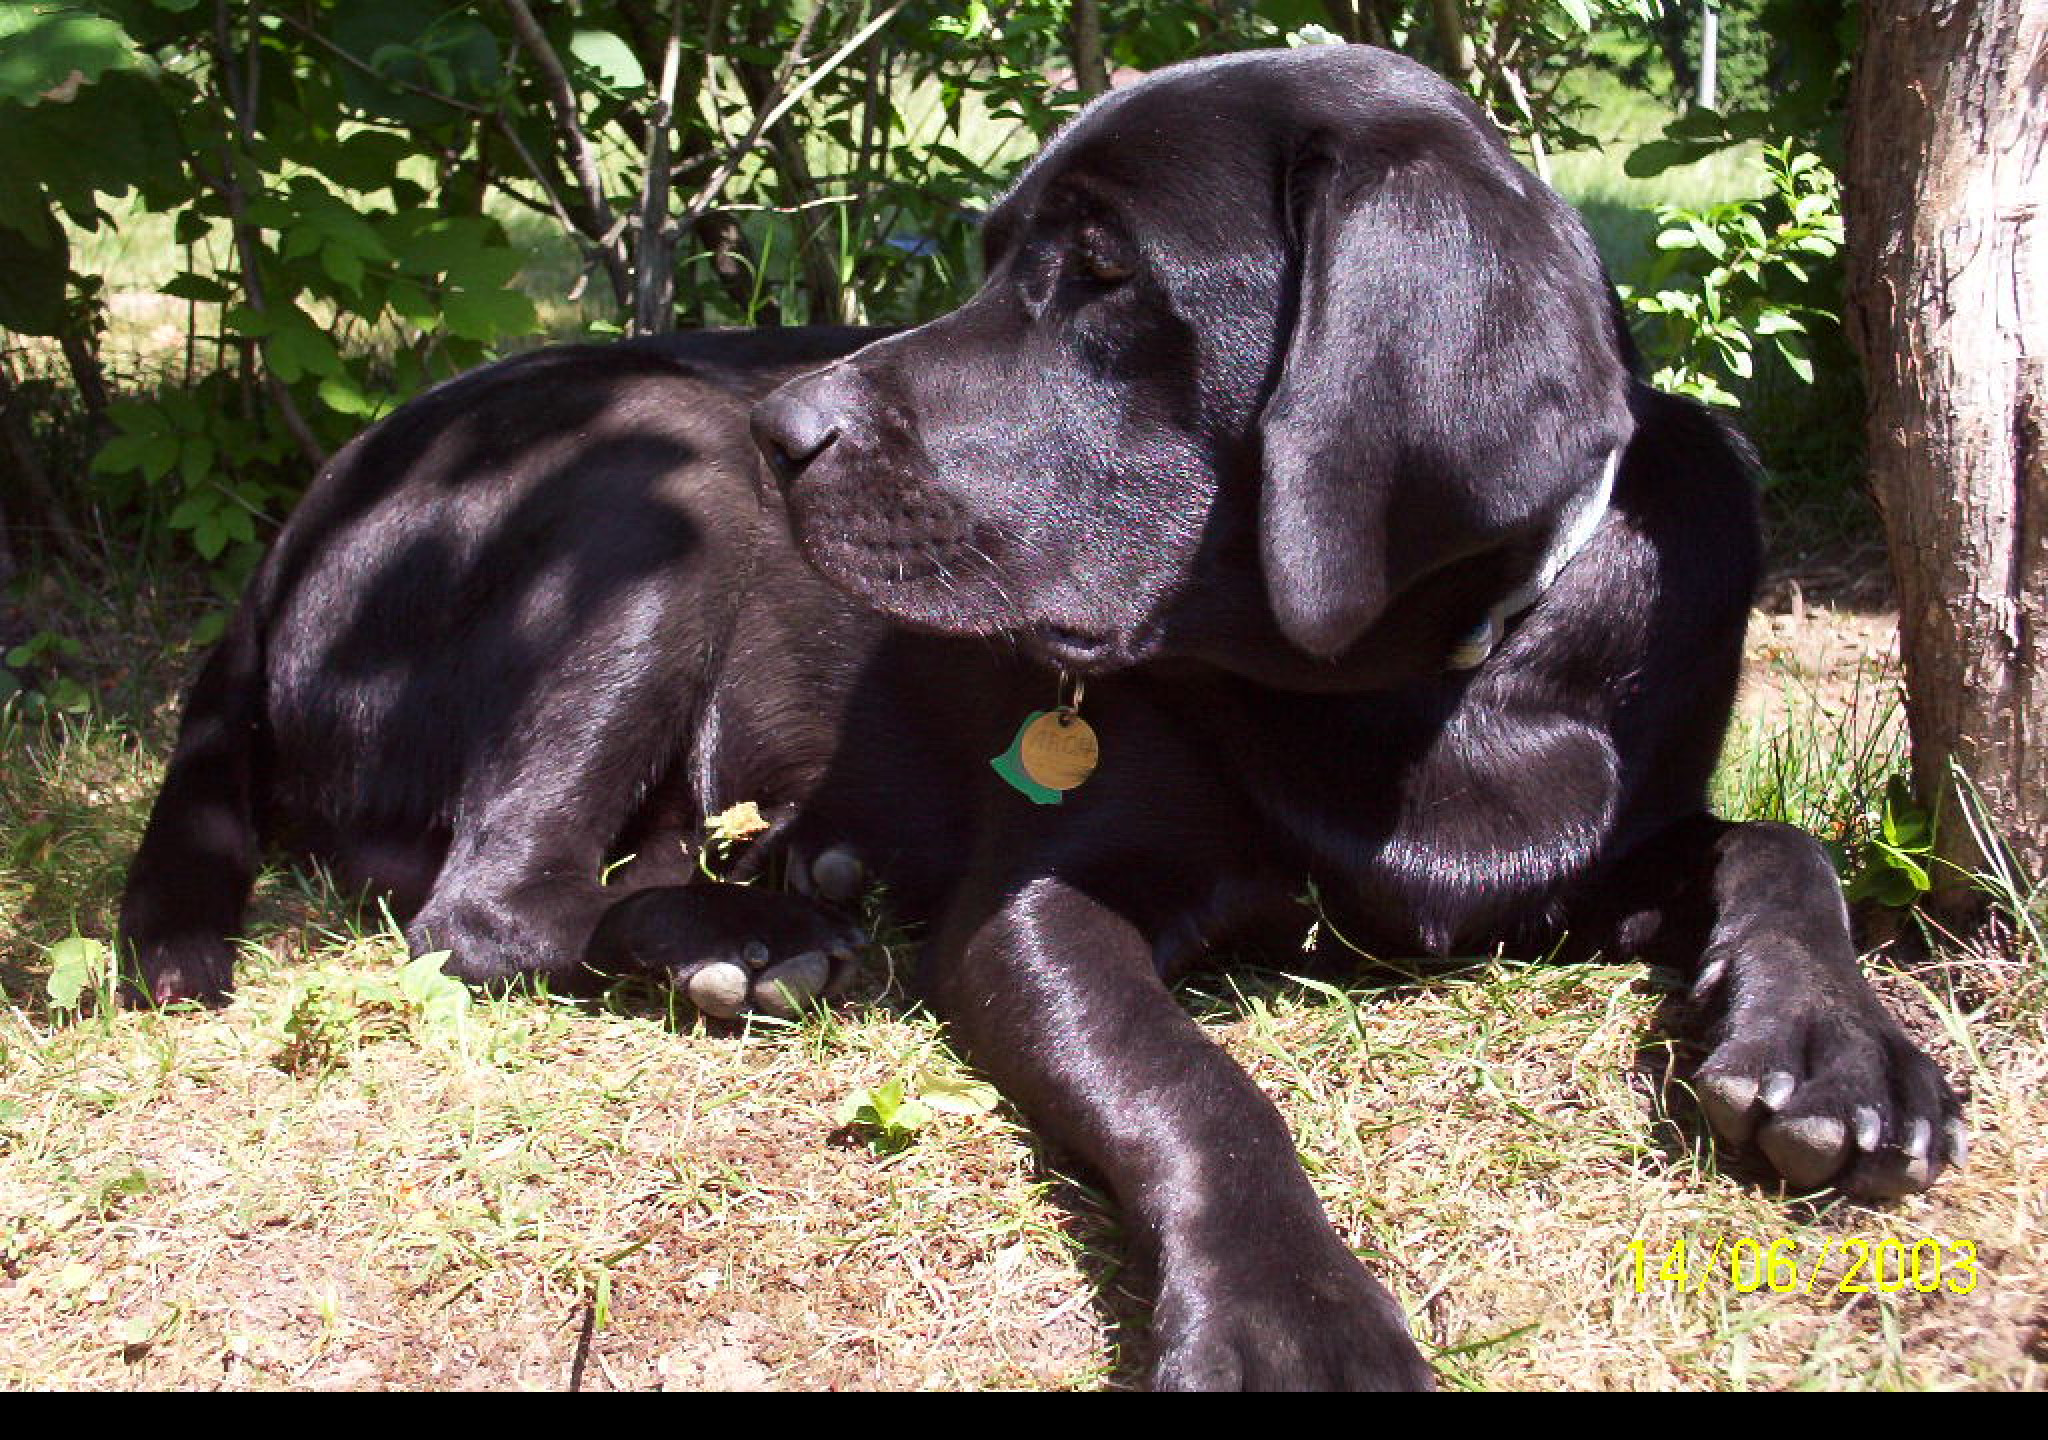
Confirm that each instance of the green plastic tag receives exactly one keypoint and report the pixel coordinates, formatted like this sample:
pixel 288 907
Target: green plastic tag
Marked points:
pixel 1010 765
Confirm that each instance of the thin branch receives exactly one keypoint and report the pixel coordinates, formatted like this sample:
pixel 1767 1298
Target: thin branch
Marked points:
pixel 776 109
pixel 582 158
pixel 230 186
pixel 654 299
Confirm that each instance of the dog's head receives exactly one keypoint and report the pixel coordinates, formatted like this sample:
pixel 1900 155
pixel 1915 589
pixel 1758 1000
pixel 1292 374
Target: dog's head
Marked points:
pixel 1282 363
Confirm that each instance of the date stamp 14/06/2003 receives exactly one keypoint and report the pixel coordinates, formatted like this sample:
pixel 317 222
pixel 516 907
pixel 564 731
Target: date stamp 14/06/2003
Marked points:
pixel 1825 1265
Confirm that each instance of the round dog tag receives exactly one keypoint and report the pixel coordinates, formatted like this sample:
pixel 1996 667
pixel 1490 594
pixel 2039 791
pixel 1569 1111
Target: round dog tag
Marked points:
pixel 1058 750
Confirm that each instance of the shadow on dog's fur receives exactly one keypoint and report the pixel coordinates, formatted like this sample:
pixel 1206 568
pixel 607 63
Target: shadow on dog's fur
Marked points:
pixel 1296 423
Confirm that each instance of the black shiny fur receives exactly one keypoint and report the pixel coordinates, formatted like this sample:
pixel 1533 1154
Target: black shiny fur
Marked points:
pixel 1282 375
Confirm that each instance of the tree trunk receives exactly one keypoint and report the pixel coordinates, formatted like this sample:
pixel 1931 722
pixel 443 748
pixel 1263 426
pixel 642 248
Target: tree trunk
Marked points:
pixel 1948 285
pixel 1710 54
pixel 1453 39
pixel 1091 74
pixel 1668 23
pixel 654 254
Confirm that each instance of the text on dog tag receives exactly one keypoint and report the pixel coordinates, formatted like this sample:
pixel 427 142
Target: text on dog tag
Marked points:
pixel 1055 751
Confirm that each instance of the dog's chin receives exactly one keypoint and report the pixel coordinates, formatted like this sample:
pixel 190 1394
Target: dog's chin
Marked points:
pixel 916 591
pixel 1079 651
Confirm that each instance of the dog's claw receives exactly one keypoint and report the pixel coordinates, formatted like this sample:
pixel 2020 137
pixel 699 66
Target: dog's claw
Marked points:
pixel 1709 978
pixel 1778 1088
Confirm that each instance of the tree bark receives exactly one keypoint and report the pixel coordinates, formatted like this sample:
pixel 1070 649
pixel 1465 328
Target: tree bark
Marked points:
pixel 1669 23
pixel 1710 55
pixel 1948 287
pixel 1091 74
pixel 1454 40
pixel 596 220
pixel 654 257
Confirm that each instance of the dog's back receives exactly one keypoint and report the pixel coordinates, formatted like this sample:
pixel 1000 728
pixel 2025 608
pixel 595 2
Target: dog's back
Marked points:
pixel 441 575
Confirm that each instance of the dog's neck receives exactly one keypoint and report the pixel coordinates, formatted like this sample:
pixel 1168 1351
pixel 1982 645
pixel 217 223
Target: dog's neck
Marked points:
pixel 1581 517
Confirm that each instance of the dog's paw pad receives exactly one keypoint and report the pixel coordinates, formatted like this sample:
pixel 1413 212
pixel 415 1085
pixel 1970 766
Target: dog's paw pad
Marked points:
pixel 758 982
pixel 1730 1105
pixel 718 987
pixel 1833 1099
pixel 1806 1150
pixel 731 950
pixel 837 874
pixel 788 989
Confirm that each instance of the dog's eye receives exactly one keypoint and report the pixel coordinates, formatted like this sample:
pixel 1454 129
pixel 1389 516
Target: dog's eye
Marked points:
pixel 1102 266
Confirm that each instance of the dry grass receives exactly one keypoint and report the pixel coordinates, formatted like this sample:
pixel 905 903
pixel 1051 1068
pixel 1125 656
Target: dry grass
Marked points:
pixel 326 1185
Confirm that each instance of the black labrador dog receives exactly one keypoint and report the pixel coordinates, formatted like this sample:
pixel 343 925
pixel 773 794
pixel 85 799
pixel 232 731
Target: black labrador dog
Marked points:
pixel 1283 508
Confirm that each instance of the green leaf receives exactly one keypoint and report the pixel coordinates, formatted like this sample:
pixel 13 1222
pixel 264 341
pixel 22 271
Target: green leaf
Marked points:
pixel 297 348
pixel 1796 361
pixel 120 134
pixel 441 1000
pixel 48 51
pixel 195 459
pixel 410 46
pixel 343 265
pixel 159 455
pixel 194 508
pixel 484 315
pixel 341 392
pixel 26 207
pixel 121 454
pixel 210 628
pixel 609 58
pixel 411 302
pixel 949 1095
pixel 188 286
pixel 77 965
pixel 209 536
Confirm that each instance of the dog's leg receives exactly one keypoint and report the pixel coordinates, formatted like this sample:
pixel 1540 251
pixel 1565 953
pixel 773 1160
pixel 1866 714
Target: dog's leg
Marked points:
pixel 198 857
pixel 519 894
pixel 1057 998
pixel 1804 1062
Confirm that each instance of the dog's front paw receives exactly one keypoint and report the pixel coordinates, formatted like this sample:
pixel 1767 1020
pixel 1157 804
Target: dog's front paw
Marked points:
pixel 1274 1328
pixel 730 949
pixel 1827 1087
pixel 165 972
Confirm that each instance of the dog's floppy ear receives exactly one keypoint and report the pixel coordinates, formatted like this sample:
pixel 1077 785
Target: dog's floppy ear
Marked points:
pixel 1451 381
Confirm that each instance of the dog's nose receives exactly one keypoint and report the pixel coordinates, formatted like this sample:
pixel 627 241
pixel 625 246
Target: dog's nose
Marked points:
pixel 792 429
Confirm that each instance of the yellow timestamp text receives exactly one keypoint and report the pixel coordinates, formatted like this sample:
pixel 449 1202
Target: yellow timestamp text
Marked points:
pixel 1818 1265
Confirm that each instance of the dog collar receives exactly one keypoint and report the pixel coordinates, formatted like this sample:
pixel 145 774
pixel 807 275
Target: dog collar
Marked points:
pixel 1581 518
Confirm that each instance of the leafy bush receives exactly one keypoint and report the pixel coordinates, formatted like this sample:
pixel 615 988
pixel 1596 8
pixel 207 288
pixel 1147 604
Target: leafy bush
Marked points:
pixel 368 196
pixel 1733 274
